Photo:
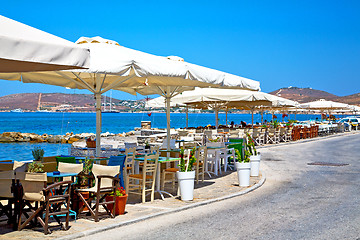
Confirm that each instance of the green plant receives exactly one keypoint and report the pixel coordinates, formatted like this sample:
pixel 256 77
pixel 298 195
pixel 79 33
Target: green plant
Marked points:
pixel 38 153
pixel 215 140
pixel 88 162
pixel 275 123
pixel 187 166
pixel 119 192
pixel 239 158
pixel 85 173
pixel 35 167
pixel 250 145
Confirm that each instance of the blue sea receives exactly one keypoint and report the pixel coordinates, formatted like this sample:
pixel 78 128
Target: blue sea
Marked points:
pixel 61 123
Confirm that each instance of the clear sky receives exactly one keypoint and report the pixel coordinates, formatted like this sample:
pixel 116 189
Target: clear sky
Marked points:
pixel 279 43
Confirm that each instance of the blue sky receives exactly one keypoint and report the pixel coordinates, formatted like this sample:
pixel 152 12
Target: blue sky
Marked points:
pixel 279 43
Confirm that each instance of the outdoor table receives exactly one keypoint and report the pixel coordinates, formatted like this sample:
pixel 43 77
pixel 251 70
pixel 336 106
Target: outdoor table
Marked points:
pixel 158 173
pixel 56 176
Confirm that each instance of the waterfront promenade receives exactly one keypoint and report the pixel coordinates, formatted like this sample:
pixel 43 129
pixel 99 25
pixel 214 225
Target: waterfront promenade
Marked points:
pixel 285 167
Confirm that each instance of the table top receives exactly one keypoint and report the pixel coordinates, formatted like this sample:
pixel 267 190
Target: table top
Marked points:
pixel 171 150
pixel 62 174
pixel 161 159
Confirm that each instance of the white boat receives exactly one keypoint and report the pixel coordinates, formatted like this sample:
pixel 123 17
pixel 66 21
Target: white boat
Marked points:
pixel 17 110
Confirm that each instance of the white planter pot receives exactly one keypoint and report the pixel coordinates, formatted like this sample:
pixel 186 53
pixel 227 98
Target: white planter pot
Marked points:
pixel 243 170
pixel 255 165
pixel 186 185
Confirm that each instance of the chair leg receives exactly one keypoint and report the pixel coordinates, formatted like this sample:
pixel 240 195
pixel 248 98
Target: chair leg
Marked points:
pixel 97 207
pixel 163 180
pixel 46 227
pixel 143 192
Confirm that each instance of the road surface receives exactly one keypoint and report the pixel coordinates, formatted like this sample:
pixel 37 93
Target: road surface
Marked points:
pixel 297 201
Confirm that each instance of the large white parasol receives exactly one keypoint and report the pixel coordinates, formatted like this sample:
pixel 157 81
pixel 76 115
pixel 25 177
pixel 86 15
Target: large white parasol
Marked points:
pixel 116 67
pixel 24 48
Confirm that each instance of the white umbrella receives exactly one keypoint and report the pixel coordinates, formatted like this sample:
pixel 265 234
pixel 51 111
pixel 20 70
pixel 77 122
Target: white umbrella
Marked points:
pixel 115 67
pixel 323 105
pixel 24 48
pixel 223 98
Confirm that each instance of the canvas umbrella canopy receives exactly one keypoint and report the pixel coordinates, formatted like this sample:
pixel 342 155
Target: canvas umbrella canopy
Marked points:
pixel 278 103
pixel 24 48
pixel 221 98
pixel 324 105
pixel 116 67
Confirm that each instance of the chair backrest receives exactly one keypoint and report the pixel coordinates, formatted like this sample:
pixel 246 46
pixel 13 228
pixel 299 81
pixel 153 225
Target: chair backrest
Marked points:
pixel 5 184
pixel 256 132
pixel 6 166
pixel 215 144
pixel 183 133
pixel 201 155
pixel 70 167
pixel 154 149
pixel 19 166
pixel 112 171
pixel 49 159
pixel 117 161
pixel 172 143
pixel 66 159
pixel 130 144
pixel 150 165
pixel 49 166
pixel 33 185
pixel 130 154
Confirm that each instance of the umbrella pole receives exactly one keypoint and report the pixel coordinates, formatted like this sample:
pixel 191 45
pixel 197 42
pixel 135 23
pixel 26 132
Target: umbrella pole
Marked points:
pixel 187 116
pixel 98 123
pixel 216 117
pixel 226 112
pixel 262 116
pixel 167 99
pixel 252 117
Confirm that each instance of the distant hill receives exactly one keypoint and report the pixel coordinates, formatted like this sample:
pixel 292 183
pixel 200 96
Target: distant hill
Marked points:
pixel 303 95
pixel 56 101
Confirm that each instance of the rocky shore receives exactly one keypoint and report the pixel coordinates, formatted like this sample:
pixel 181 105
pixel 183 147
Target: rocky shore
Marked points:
pixel 8 137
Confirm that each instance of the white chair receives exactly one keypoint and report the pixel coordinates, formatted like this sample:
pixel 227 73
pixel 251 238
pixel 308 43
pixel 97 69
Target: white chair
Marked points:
pixel 130 144
pixel 225 155
pixel 213 159
pixel 172 144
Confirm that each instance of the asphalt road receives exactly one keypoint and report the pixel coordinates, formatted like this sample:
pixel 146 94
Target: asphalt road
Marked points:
pixel 298 201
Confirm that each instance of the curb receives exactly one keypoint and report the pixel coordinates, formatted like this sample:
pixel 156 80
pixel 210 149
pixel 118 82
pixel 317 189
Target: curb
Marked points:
pixel 309 140
pixel 190 206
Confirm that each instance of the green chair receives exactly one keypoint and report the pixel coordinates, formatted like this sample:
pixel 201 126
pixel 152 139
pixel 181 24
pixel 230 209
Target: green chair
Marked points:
pixel 65 160
pixel 239 144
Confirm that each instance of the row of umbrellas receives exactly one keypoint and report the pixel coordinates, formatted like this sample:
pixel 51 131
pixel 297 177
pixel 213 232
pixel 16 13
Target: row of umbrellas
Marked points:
pixel 216 99
pixel 99 65
pixel 33 56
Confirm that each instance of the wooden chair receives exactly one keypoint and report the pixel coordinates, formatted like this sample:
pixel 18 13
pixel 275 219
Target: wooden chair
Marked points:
pixel 201 161
pixel 6 182
pixel 129 167
pixel 106 182
pixel 142 183
pixel 49 201
pixel 118 161
pixel 69 167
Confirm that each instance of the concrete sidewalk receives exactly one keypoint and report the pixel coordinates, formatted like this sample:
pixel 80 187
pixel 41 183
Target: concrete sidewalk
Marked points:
pixel 211 190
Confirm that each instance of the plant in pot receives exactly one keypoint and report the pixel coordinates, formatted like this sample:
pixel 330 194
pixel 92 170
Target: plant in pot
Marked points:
pixel 35 167
pixel 186 175
pixel 255 156
pixel 243 167
pixel 85 174
pixel 147 145
pixel 120 200
pixel 38 154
